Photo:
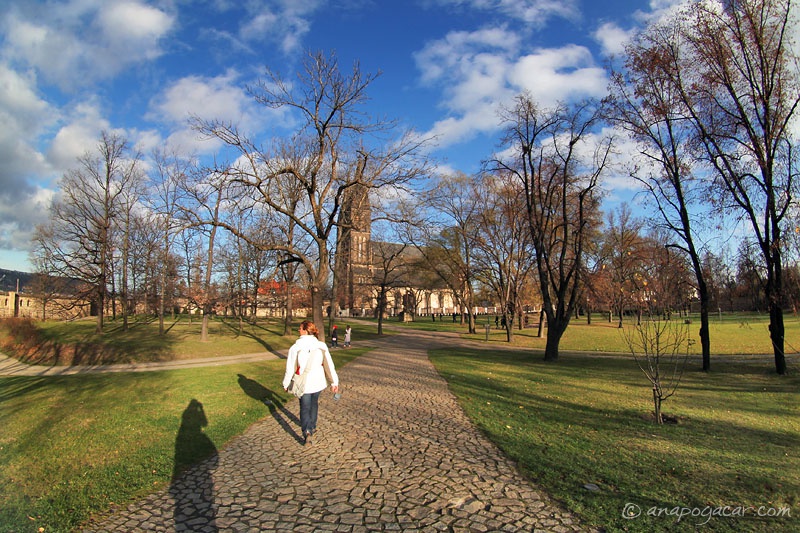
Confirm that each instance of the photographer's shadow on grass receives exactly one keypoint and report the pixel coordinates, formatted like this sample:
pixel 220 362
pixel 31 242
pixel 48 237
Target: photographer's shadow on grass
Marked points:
pixel 274 402
pixel 192 485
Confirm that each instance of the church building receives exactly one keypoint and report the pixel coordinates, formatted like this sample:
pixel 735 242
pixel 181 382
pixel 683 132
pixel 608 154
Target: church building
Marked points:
pixel 359 272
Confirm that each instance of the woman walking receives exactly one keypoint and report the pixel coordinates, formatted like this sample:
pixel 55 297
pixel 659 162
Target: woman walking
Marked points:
pixel 308 354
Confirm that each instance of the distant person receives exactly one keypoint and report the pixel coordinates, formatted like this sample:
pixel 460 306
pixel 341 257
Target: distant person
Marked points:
pixel 334 338
pixel 347 333
pixel 310 353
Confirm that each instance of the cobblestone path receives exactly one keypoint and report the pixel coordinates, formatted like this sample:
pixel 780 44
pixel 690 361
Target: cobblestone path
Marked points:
pixel 395 453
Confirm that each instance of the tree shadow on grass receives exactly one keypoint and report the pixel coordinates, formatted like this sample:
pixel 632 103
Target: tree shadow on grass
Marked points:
pixel 84 347
pixel 234 327
pixel 192 486
pixel 274 403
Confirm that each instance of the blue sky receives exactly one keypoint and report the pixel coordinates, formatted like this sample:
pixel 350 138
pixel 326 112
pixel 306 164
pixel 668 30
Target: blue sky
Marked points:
pixel 70 69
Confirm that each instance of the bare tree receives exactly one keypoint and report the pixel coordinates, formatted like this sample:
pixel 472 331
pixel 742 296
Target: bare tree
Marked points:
pixel 504 254
pixel 651 111
pixel 168 181
pixel 736 74
pixel 49 290
pixel 125 226
pixel 559 182
pixel 209 194
pixel 623 247
pixel 659 344
pixel 336 147
pixel 661 349
pixel 76 241
pixel 390 272
pixel 446 237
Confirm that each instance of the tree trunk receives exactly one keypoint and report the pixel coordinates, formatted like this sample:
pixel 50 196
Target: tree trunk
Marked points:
pixel 204 325
pixel 554 333
pixel 775 298
pixel 776 333
pixel 317 313
pixel 209 269
pixel 705 333
pixel 288 271
pixel 381 308
pixel 101 303
pixel 471 323
pixel 162 288
pixel 540 332
pixel 657 406
pixel 556 326
pixel 334 295
pixel 287 320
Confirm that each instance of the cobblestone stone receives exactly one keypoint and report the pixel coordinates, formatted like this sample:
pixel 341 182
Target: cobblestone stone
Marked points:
pixel 395 453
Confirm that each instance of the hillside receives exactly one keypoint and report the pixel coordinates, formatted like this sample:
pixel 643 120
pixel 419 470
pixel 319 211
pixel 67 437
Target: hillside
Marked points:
pixel 8 280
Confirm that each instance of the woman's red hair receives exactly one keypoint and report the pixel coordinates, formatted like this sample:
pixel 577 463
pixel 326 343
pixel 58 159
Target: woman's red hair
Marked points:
pixel 309 327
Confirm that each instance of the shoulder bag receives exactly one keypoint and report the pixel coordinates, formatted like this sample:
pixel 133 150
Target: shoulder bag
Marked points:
pixel 298 384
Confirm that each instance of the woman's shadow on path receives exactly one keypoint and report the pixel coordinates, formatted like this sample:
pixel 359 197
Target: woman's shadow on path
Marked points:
pixel 274 403
pixel 192 486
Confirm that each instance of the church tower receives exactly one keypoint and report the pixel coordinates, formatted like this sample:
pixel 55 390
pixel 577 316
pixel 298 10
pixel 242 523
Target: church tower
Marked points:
pixel 353 265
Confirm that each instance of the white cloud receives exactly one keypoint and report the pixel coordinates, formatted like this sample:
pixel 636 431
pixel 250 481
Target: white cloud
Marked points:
pixel 558 74
pixel 23 111
pixel 56 55
pixel 282 21
pixel 207 98
pixel 24 115
pixel 18 219
pixel 69 53
pixel 134 29
pixel 480 71
pixel 221 98
pixel 533 12
pixel 79 134
pixel 453 54
pixel 612 38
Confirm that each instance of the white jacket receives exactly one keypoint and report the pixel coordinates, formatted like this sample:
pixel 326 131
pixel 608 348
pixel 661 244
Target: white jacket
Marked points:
pixel 308 350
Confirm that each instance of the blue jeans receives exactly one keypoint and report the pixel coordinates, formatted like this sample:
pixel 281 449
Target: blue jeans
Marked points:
pixel 309 404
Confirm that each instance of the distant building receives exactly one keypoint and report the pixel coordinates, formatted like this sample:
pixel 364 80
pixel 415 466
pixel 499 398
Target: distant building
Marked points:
pixel 28 295
pixel 358 269
pixel 353 269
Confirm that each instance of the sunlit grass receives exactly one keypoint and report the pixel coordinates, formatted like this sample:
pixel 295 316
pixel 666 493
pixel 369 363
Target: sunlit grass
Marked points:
pixel 71 446
pixel 57 341
pixel 587 421
pixel 74 445
pixel 740 333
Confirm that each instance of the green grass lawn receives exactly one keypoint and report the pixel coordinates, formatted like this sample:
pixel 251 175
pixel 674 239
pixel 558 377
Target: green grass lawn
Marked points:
pixel 739 333
pixel 142 343
pixel 71 446
pixel 74 445
pixel 587 421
